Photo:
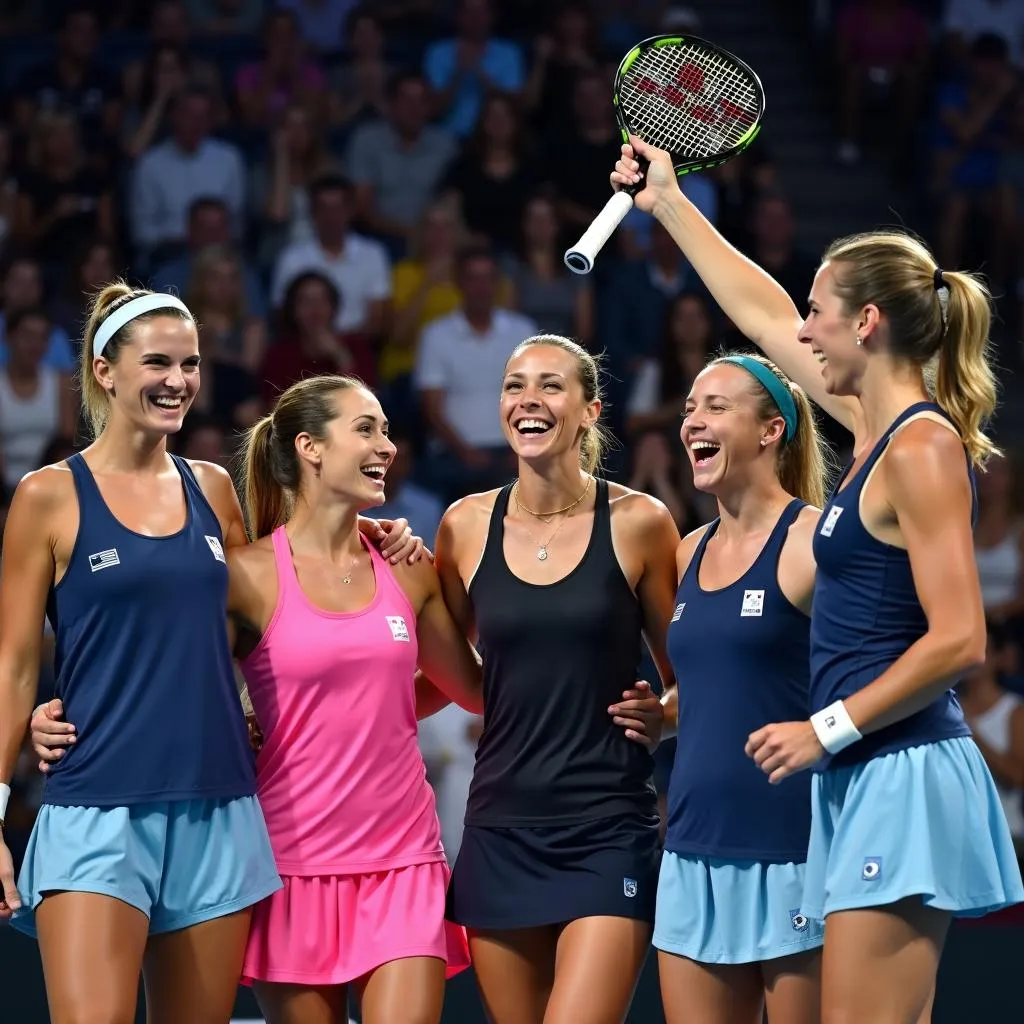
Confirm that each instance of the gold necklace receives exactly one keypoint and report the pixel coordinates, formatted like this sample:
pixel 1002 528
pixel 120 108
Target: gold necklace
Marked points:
pixel 548 516
pixel 542 548
pixel 347 578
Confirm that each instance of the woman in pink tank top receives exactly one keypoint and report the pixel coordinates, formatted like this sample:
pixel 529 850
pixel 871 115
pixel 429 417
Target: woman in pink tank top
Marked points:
pixel 331 639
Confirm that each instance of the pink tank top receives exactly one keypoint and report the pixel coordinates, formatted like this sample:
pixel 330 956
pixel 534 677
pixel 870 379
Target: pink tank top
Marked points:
pixel 340 777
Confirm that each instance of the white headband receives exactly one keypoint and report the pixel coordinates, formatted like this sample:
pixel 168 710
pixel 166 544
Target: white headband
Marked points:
pixel 128 312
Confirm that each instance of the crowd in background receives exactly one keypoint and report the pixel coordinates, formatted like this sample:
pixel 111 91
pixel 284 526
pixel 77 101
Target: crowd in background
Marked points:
pixel 386 189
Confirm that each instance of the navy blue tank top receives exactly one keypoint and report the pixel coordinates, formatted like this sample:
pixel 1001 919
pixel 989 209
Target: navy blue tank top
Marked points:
pixel 142 661
pixel 866 614
pixel 740 655
pixel 554 658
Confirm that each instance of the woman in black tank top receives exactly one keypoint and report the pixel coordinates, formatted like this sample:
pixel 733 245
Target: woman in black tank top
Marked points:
pixel 559 577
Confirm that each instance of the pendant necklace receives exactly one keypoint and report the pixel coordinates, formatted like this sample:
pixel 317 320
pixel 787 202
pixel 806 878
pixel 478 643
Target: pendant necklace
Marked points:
pixel 546 517
pixel 347 578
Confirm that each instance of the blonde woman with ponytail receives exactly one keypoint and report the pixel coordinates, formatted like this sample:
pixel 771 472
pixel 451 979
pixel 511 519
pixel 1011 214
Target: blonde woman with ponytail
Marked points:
pixel 560 575
pixel 907 829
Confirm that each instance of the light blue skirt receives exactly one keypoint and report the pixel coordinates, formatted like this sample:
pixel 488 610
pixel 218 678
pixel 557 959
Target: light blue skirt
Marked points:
pixel 180 862
pixel 926 821
pixel 717 911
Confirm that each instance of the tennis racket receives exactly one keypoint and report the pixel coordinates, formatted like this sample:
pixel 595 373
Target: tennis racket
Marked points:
pixel 684 95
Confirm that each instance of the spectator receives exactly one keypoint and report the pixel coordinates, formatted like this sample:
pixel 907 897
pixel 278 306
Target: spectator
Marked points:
pixel 232 341
pixel 772 246
pixel 459 367
pixel 309 342
pixel 656 469
pixel 74 80
pixel 8 189
pixel 406 499
pixel 164 75
pixel 494 178
pixel 209 224
pixel 36 401
pixel 464 69
pixel 23 289
pixel 93 265
pixel 61 197
pixel 999 541
pixel 996 717
pixel 664 379
pixel 589 148
pixel 285 75
pixel 966 20
pixel 319 22
pixel 558 301
pixel 359 84
pixel 169 27
pixel 203 438
pixel 970 131
pixel 397 162
pixel 225 17
pixel 173 174
pixel 559 57
pixel 882 51
pixel 280 185
pixel 358 266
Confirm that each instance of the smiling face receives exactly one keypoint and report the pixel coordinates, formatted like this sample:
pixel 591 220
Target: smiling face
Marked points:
pixel 723 428
pixel 155 377
pixel 354 455
pixel 544 411
pixel 832 334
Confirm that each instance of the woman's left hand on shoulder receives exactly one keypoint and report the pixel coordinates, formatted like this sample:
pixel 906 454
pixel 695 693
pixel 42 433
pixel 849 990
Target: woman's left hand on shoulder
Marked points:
pixel 784 748
pixel 640 713
pixel 394 539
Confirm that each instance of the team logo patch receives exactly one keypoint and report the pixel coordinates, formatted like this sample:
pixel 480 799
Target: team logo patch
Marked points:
pixel 830 521
pixel 103 559
pixel 872 869
pixel 215 547
pixel 399 630
pixel 753 604
pixel 677 614
pixel 798 921
pixel 629 887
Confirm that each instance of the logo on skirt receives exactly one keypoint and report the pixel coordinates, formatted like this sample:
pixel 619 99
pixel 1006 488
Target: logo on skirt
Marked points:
pixel 629 887
pixel 798 920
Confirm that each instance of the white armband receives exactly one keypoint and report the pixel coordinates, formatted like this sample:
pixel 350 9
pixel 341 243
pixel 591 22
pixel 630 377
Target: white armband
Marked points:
pixel 5 796
pixel 834 727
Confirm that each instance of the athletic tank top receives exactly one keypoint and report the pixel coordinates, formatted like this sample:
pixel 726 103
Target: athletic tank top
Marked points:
pixel 340 777
pixel 142 661
pixel 27 424
pixel 555 657
pixel 866 614
pixel 740 655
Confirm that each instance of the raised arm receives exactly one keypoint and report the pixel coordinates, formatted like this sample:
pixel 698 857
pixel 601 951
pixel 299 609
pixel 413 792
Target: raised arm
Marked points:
pixel 754 301
pixel 25 579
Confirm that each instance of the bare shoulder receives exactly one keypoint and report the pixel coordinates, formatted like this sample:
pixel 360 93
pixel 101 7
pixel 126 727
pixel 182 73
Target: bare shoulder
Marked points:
pixel 638 510
pixel 803 527
pixel 213 479
pixel 467 518
pixel 45 490
pixel 252 561
pixel 418 580
pixel 924 453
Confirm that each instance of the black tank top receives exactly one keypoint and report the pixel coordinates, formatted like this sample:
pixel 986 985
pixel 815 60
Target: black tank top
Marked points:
pixel 555 657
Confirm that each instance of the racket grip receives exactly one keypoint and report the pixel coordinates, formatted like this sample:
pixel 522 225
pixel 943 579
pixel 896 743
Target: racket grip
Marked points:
pixel 580 258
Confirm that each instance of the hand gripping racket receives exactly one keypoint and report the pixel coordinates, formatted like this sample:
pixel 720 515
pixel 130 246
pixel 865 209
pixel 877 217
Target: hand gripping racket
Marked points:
pixel 684 95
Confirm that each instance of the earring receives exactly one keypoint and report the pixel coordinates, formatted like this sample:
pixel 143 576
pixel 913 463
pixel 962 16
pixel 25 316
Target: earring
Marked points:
pixel 764 441
pixel 860 340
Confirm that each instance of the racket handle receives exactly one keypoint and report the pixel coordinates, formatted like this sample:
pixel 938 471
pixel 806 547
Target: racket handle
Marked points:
pixel 580 258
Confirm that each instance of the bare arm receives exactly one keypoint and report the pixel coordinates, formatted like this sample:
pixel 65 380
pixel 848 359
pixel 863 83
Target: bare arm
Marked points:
pixel 220 493
pixel 931 496
pixel 756 303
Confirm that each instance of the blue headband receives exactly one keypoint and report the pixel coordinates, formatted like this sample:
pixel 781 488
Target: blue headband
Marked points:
pixel 781 394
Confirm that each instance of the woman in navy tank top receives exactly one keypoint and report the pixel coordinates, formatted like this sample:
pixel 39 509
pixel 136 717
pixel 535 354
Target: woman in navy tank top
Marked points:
pixel 559 577
pixel 729 930
pixel 907 829
pixel 150 843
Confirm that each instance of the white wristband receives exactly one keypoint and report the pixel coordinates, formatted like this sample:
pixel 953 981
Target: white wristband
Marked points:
pixel 5 796
pixel 834 727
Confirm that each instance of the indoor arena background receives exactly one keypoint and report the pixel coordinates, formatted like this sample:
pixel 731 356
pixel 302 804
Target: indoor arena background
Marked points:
pixel 138 138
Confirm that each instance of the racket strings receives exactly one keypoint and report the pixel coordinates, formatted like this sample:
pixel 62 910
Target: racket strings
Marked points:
pixel 688 100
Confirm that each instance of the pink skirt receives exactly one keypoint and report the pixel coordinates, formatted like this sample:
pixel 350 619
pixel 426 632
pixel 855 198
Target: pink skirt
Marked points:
pixel 332 929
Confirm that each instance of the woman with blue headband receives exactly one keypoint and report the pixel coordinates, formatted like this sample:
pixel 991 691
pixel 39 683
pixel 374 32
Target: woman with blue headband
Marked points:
pixel 728 928
pixel 150 849
pixel 907 829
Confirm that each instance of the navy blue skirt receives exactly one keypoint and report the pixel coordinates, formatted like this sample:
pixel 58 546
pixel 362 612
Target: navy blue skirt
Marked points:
pixel 507 878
